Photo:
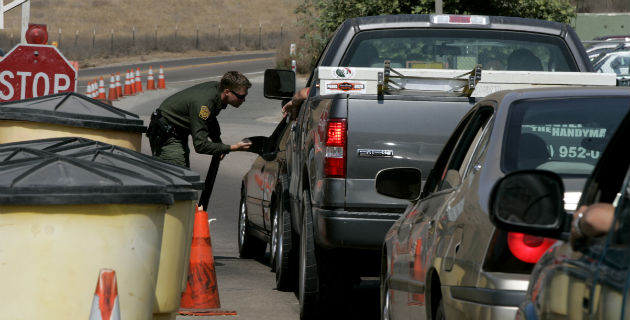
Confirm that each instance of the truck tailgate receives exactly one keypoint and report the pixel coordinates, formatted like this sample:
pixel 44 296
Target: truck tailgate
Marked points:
pixel 390 132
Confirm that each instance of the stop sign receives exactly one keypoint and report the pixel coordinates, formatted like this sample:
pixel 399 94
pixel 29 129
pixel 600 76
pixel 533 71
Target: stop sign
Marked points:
pixel 30 71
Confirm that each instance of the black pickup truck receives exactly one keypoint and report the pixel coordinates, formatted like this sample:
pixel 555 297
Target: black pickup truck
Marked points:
pixel 351 127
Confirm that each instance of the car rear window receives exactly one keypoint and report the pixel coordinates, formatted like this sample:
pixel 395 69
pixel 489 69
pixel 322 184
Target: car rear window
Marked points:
pixel 563 135
pixel 459 49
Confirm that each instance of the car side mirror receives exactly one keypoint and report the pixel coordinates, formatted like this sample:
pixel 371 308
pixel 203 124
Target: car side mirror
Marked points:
pixel 401 183
pixel 529 201
pixel 279 84
pixel 260 145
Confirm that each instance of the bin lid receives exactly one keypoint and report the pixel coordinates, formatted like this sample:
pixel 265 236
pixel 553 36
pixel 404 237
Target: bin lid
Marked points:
pixel 180 188
pixel 55 179
pixel 45 144
pixel 187 174
pixel 72 109
pixel 19 153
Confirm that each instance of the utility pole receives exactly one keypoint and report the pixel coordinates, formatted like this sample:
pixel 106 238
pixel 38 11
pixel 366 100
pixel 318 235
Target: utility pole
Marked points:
pixel 438 6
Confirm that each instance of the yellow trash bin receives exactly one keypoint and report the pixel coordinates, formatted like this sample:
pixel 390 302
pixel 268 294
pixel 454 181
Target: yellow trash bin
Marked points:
pixel 181 182
pixel 62 220
pixel 69 114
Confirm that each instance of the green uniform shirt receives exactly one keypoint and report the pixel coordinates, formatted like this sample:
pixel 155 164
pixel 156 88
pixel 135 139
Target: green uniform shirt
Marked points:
pixel 192 111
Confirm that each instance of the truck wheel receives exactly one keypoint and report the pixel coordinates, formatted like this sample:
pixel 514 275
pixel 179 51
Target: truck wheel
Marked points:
pixel 249 247
pixel 283 240
pixel 308 290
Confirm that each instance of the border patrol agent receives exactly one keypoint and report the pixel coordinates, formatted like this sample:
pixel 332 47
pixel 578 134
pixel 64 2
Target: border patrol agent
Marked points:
pixel 193 111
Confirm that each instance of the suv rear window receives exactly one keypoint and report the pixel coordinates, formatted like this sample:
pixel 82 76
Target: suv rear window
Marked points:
pixel 564 135
pixel 459 49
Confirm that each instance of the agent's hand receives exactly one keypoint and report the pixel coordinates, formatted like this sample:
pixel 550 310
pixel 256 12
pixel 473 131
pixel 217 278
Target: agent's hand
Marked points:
pixel 241 146
pixel 289 109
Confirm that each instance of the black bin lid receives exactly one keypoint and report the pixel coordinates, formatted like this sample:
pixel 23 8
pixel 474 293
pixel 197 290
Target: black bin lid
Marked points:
pixel 72 109
pixel 186 174
pixel 54 179
pixel 73 145
pixel 19 153
pixel 180 188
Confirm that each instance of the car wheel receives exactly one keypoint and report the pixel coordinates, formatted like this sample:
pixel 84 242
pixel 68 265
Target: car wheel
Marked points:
pixel 308 290
pixel 273 246
pixel 386 304
pixel 249 247
pixel 439 313
pixel 284 261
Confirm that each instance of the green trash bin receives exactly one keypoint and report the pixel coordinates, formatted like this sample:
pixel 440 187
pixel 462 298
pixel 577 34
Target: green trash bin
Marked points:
pixel 64 219
pixel 69 114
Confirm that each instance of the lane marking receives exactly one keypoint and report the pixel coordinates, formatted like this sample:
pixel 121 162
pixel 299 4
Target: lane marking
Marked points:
pixel 86 78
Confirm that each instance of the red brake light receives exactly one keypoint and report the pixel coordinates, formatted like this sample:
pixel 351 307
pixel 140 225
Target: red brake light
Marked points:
pixel 459 19
pixel 528 248
pixel 335 161
pixel 336 136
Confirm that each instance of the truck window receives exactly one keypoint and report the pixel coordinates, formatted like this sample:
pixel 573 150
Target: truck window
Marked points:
pixel 566 136
pixel 459 49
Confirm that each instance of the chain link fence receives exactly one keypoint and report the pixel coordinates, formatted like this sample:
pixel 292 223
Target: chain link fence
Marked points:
pixel 100 43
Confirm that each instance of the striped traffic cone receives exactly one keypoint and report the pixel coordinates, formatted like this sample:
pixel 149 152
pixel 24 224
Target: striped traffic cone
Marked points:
pixel 127 85
pixel 88 89
pixel 112 89
pixel 138 81
pixel 105 305
pixel 150 80
pixel 201 297
pixel 118 85
pixel 101 89
pixel 95 89
pixel 132 82
pixel 161 81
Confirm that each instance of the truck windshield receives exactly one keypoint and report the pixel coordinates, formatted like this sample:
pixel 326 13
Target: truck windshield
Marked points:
pixel 459 49
pixel 564 135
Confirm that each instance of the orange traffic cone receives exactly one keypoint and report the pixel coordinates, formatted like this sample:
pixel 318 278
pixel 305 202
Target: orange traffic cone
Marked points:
pixel 138 80
pixel 127 85
pixel 105 305
pixel 112 89
pixel 88 89
pixel 202 295
pixel 161 81
pixel 118 85
pixel 132 82
pixel 150 80
pixel 101 89
pixel 95 89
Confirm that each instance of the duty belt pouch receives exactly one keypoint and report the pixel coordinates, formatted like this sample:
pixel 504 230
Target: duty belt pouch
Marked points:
pixel 158 132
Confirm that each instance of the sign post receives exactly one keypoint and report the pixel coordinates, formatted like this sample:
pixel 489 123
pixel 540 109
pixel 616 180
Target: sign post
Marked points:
pixel 30 71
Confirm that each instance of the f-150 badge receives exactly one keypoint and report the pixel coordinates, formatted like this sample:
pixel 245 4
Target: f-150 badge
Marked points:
pixel 373 153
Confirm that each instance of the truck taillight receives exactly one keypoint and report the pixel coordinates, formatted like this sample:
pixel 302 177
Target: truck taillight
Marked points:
pixel 528 248
pixel 335 159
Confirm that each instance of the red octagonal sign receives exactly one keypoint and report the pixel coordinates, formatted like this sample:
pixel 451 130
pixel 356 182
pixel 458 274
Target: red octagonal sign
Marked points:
pixel 30 71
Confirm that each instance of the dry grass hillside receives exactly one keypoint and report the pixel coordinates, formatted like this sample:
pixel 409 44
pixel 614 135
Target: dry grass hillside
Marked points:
pixel 111 28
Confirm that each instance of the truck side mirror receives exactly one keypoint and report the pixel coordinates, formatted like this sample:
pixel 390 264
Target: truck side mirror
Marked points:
pixel 529 201
pixel 279 84
pixel 401 183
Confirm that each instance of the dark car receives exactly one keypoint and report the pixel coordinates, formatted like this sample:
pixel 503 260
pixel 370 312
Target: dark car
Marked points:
pixel 586 280
pixel 443 258
pixel 263 213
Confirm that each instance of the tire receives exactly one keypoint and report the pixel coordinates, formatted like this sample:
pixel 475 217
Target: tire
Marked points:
pixel 308 283
pixel 284 253
pixel 249 247
pixel 386 313
pixel 439 313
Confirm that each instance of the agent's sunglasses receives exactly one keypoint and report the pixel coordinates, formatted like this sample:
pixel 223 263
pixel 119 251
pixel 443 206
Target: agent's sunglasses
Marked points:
pixel 239 96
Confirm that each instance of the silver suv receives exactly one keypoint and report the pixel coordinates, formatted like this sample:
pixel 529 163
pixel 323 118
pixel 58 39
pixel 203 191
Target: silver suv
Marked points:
pixel 443 258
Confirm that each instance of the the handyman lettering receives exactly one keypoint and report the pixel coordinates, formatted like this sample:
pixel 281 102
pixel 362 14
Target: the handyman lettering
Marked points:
pixel 569 130
pixel 60 82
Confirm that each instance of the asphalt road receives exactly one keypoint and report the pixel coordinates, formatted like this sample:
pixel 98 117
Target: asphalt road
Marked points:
pixel 245 286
